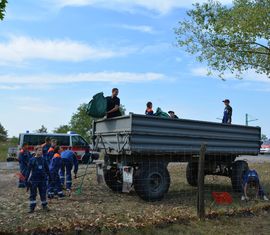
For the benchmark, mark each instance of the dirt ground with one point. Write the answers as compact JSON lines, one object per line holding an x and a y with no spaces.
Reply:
{"x":98,"y":209}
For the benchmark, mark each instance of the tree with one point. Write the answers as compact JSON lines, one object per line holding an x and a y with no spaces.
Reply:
{"x":3,"y":4}
{"x":264,"y":137}
{"x":81,"y":122}
{"x":3,"y":134}
{"x":122,"y":109}
{"x":62,"y":129}
{"x":228,"y":38}
{"x":42,"y":129}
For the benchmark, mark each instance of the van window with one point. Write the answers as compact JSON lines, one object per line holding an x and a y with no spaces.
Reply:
{"x":40,"y":139}
{"x":78,"y":141}
{"x":62,"y":140}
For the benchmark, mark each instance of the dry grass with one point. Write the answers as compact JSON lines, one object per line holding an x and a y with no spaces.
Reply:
{"x":98,"y":208}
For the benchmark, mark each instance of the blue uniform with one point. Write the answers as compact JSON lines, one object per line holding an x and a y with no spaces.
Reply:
{"x":149,"y":112}
{"x":69,"y":160}
{"x":227,"y":115}
{"x":49,"y":155}
{"x":254,"y":175}
{"x":55,"y":187}
{"x":24,"y":158}
{"x":45,"y":149}
{"x":38,"y":172}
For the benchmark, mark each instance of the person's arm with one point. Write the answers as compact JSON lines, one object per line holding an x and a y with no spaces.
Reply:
{"x":116,"y":107}
{"x":229,"y":113}
{"x":245,"y":191}
{"x":30,"y":168}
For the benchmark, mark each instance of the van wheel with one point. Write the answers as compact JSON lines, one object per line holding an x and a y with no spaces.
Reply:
{"x":152,"y":181}
{"x":192,"y":173}
{"x":239,"y":168}
{"x":113,"y":179}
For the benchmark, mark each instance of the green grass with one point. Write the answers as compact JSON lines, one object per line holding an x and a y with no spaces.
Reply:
{"x":13,"y":142}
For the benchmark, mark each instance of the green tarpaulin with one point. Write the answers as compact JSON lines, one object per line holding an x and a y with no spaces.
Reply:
{"x":160,"y":113}
{"x":97,"y":107}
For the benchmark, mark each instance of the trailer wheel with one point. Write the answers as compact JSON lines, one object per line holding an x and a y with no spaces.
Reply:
{"x":152,"y":181}
{"x":113,"y":179}
{"x":192,"y":173}
{"x":239,"y":168}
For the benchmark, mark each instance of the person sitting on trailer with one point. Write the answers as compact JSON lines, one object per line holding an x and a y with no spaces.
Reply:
{"x":69,"y":159}
{"x":113,"y":104}
{"x":173,"y":115}
{"x":149,"y":109}
{"x":251,"y":180}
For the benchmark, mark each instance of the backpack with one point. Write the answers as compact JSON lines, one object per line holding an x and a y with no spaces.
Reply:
{"x":97,"y":107}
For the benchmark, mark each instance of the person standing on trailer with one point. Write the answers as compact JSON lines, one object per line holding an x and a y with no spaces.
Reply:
{"x":113,"y":104}
{"x":36,"y":179}
{"x":227,"y":115}
{"x":149,"y":109}
{"x":55,"y":187}
{"x":69,"y":159}
{"x":24,"y":158}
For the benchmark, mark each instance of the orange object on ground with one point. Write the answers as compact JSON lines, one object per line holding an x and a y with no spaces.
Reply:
{"x":222,"y":198}
{"x":20,"y":176}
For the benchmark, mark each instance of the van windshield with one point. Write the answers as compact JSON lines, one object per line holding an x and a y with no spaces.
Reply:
{"x":78,"y":141}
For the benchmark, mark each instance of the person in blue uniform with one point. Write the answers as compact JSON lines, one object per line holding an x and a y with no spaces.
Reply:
{"x":24,"y":158}
{"x":251,"y":180}
{"x":37,"y":174}
{"x":69,"y":160}
{"x":227,"y":114}
{"x":46,"y":146}
{"x":149,"y":109}
{"x":50,"y":152}
{"x":55,"y":187}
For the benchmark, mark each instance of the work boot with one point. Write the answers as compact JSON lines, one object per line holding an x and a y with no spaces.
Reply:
{"x":31,"y":210}
{"x":45,"y":208}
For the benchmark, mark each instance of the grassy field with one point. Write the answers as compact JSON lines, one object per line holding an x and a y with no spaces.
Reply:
{"x":100,"y":210}
{"x":4,"y":148}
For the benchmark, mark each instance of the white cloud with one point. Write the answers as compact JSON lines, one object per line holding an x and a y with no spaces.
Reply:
{"x":140,"y":28}
{"x":159,"y":6}
{"x":5,"y":87}
{"x":20,"y":49}
{"x":113,"y":77}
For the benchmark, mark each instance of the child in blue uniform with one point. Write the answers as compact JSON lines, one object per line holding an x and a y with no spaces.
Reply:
{"x":46,"y":146}
{"x":149,"y":109}
{"x":50,"y":152}
{"x":69,"y":160}
{"x":251,"y":180}
{"x":24,"y":158}
{"x":37,"y":174}
{"x":55,"y":187}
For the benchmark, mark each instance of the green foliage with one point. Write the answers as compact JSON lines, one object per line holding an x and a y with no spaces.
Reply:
{"x":122,"y":109}
{"x":3,"y":134}
{"x":3,"y":4}
{"x":81,"y":122}
{"x":62,"y":129}
{"x":228,"y":38}
{"x":42,"y":129}
{"x":264,"y":137}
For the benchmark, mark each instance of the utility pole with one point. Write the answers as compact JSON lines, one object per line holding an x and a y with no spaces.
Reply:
{"x":249,"y":120}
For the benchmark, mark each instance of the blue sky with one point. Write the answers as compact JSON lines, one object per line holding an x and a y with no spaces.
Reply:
{"x":56,"y":54}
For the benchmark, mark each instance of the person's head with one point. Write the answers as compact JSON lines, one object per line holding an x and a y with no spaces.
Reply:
{"x":115,"y":92}
{"x":25,"y":146}
{"x":38,"y":151}
{"x":149,"y":105}
{"x":171,"y":114}
{"x":226,"y":102}
{"x":57,"y":149}
{"x":47,"y":140}
{"x":53,"y":142}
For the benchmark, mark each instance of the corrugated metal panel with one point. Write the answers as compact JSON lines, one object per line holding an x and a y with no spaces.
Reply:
{"x":162,"y":135}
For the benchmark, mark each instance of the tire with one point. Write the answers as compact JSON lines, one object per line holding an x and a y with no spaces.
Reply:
{"x":192,"y":173}
{"x":113,"y":179}
{"x":152,"y":181}
{"x":239,"y":168}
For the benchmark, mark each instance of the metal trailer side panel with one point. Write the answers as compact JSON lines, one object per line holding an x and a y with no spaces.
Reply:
{"x":140,"y":134}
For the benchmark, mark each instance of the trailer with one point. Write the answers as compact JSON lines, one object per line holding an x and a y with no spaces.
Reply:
{"x":145,"y":145}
